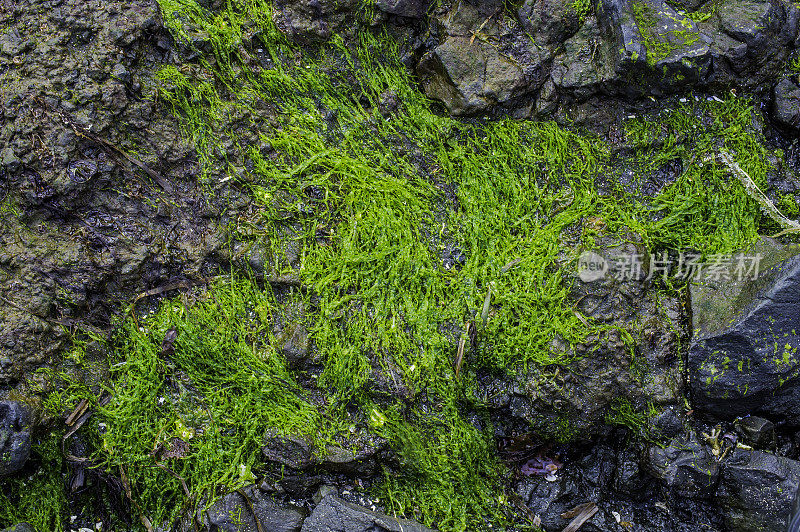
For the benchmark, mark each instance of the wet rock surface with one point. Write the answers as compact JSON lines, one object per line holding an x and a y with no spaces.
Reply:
{"x":742,"y":358}
{"x":757,"y":491}
{"x":246,"y":510}
{"x":20,"y":527}
{"x":15,"y":436}
{"x":85,"y":229}
{"x":584,"y":392}
{"x":787,"y":103}
{"x":332,"y":513}
{"x":82,"y":228}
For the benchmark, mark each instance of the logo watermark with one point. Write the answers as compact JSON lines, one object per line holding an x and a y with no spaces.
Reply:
{"x":684,"y":266}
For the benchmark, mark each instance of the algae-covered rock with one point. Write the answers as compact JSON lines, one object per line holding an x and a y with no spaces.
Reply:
{"x":549,"y":22}
{"x":312,"y":21}
{"x":19,"y":527}
{"x":751,"y":41}
{"x":685,"y":466}
{"x":657,"y":49}
{"x":585,"y":66}
{"x":743,"y":356}
{"x":609,"y":367}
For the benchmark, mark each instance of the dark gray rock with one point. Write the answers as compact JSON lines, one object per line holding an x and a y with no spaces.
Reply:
{"x":480,"y":62}
{"x":356,"y":457}
{"x":687,"y":5}
{"x":668,"y":424}
{"x":19,"y":527}
{"x":786,"y":103}
{"x":307,"y":21}
{"x":756,"y":431}
{"x":334,"y":514}
{"x":404,"y":8}
{"x":15,"y":436}
{"x":757,"y":490}
{"x":549,"y":22}
{"x":685,"y":466}
{"x":293,"y":452}
{"x":246,"y":510}
{"x":294,"y":344}
{"x":586,"y":64}
{"x":751,"y":41}
{"x":743,"y":357}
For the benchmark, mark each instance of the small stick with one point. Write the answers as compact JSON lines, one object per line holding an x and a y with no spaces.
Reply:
{"x":767,"y":207}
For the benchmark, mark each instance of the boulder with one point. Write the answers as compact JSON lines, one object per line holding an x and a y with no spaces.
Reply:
{"x":751,"y":41}
{"x":246,"y":510}
{"x":757,"y":490}
{"x":577,"y":398}
{"x":743,"y":356}
{"x":403,"y":8}
{"x":756,"y":431}
{"x":549,"y":22}
{"x":658,"y":50}
{"x":585,"y":65}
{"x":15,"y":436}
{"x":481,"y":60}
{"x":332,"y":513}
{"x":786,"y":103}
{"x":685,"y":467}
{"x":308,"y":21}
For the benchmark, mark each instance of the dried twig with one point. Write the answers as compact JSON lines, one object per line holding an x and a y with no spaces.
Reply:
{"x":462,"y":342}
{"x":580,"y":514}
{"x":767,"y":207}
{"x":111,"y":149}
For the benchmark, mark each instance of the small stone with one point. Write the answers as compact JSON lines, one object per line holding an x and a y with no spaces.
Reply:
{"x":324,"y":491}
{"x":9,"y":160}
{"x":19,"y":527}
{"x":756,"y":431}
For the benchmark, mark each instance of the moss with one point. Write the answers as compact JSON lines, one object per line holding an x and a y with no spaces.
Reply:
{"x":210,"y":397}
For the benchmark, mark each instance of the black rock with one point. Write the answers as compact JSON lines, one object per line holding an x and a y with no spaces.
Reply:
{"x":786,"y":103}
{"x":757,"y":490}
{"x":248,"y":509}
{"x":404,"y":8}
{"x":743,"y":357}
{"x":685,"y":466}
{"x":335,"y":514}
{"x":15,"y":436}
{"x":756,"y":431}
